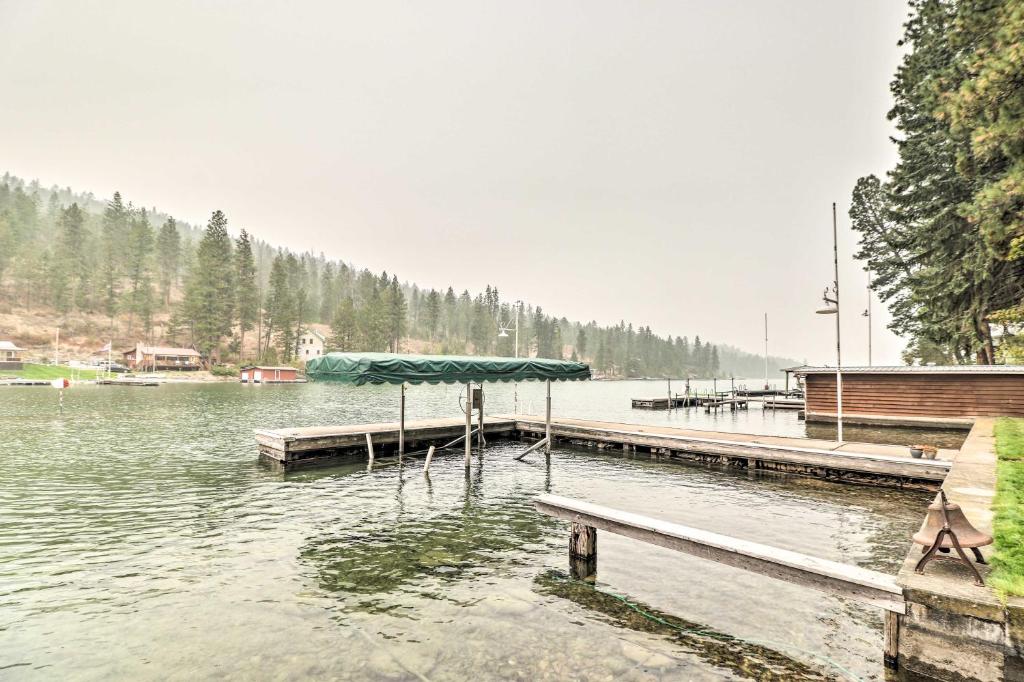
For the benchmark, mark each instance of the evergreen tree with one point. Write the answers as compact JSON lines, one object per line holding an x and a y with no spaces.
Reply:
{"x":168,"y":259}
{"x":344,"y":332}
{"x":247,"y":301}
{"x":115,"y":232}
{"x":209,"y":293}
{"x":139,"y":257}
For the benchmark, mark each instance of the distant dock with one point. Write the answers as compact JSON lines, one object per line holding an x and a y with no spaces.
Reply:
{"x":847,"y":462}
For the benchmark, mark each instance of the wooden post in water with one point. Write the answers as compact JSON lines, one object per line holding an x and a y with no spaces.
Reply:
{"x":891,"y":635}
{"x":401,"y":424}
{"x":430,"y":456}
{"x":369,"y":447}
{"x":547,"y":420}
{"x":469,"y":423}
{"x":582,"y":552}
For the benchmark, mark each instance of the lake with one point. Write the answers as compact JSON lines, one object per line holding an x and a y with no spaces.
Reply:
{"x":141,"y":539}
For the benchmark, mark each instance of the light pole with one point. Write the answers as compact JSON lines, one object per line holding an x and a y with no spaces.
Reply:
{"x":867,"y":314}
{"x":832,"y":308}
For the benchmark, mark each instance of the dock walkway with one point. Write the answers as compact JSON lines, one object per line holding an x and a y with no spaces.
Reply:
{"x":847,"y":462}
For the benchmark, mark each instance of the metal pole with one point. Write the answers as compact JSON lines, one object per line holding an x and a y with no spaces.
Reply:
{"x":515,"y":386}
{"x":869,"y":317}
{"x":480,"y":417}
{"x":469,"y":423}
{"x":839,"y":356}
{"x":401,"y":423}
{"x":766,"y":351}
{"x":547,"y":421}
{"x":670,"y":394}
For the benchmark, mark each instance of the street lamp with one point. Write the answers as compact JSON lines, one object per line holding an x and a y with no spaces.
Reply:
{"x":832,"y":308}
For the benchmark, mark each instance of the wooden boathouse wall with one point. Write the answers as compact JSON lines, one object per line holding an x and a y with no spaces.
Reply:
{"x":919,"y":395}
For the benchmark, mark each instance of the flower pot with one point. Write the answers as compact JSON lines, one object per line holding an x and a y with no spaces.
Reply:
{"x":916,"y":453}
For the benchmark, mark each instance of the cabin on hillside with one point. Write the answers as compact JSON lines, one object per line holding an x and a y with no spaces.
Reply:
{"x":309,"y":345}
{"x":915,"y":396}
{"x":10,"y":355}
{"x":154,"y":358}
{"x":265,"y":374}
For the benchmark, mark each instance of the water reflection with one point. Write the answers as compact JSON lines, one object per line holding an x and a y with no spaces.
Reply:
{"x":746,"y":660}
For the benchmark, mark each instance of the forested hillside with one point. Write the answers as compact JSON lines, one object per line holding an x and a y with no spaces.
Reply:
{"x":944,"y":232}
{"x":234,"y":298}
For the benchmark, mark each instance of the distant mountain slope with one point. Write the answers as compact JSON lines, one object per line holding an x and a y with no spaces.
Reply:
{"x":112,"y":269}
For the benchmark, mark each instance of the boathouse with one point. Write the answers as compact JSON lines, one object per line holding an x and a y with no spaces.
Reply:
{"x":10,"y":355}
{"x":929,"y":395}
{"x":265,"y":374}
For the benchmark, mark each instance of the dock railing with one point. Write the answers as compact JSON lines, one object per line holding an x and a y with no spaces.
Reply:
{"x":852,"y":582}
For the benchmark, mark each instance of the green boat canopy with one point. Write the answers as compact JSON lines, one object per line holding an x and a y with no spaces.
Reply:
{"x":393,"y":368}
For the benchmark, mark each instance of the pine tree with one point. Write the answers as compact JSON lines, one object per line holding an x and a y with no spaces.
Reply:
{"x":344,"y":333}
{"x":246,"y":292}
{"x":139,"y":261}
{"x":168,"y":259}
{"x":209,"y":293}
{"x":115,"y":232}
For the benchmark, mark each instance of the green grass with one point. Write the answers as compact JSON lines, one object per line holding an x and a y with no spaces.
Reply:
{"x":1007,"y":575}
{"x":49,"y":372}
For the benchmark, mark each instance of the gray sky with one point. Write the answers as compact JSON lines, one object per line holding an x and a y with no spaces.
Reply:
{"x":667,"y":163}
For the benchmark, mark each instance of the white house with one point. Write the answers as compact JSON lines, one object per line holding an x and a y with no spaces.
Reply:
{"x":309,"y":345}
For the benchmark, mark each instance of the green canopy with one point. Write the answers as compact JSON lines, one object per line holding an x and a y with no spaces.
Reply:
{"x":392,"y":368}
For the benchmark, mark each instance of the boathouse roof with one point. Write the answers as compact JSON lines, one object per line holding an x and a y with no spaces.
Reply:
{"x":915,"y":369}
{"x":8,"y":345}
{"x":395,"y":368}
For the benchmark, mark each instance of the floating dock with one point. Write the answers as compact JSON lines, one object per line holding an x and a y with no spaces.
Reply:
{"x":846,"y":462}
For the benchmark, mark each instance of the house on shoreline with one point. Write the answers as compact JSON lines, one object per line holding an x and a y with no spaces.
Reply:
{"x":10,"y":355}
{"x":309,"y":345}
{"x":154,"y":358}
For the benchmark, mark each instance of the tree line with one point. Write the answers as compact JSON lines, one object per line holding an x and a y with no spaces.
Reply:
{"x":235,"y":298}
{"x":943,"y":233}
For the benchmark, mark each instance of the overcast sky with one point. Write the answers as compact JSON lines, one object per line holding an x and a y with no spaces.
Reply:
{"x":666,"y":163}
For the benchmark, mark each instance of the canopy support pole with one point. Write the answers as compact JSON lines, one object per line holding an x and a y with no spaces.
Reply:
{"x":547,"y":420}
{"x":469,"y":423}
{"x":480,"y":440}
{"x":401,"y":423}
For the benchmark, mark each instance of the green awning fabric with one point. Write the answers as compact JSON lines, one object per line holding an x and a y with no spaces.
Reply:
{"x":392,"y":368}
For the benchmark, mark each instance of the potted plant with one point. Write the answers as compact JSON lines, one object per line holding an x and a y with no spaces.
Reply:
{"x":929,"y":451}
{"x":916,"y":451}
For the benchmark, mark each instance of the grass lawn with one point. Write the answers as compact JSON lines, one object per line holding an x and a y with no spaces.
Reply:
{"x":1008,"y":525}
{"x":49,"y":372}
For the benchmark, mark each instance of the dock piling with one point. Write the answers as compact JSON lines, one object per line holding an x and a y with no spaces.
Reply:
{"x":401,"y":424}
{"x":430,"y":456}
{"x":891,"y":638}
{"x":469,"y":423}
{"x":583,"y":551}
{"x":547,"y":420}
{"x":369,"y":447}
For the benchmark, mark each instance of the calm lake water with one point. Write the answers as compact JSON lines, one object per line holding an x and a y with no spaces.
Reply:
{"x":141,"y":539}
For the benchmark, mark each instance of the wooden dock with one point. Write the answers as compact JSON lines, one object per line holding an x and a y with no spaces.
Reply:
{"x":307,"y":445}
{"x":846,"y":462}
